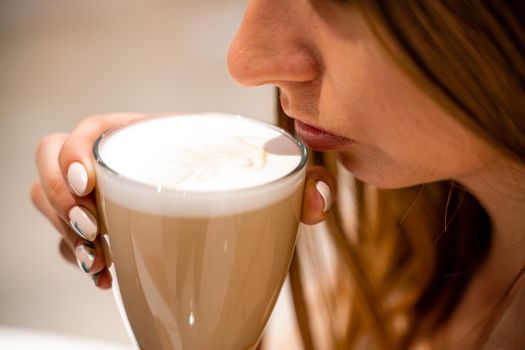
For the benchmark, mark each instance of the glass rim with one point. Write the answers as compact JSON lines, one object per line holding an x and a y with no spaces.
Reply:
{"x":98,"y":158}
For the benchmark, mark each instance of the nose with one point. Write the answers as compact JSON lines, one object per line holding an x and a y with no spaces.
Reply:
{"x":272,"y":45}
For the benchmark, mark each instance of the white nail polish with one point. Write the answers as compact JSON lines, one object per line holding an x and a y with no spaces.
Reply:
{"x":83,"y":222}
{"x":86,"y":254}
{"x":77,"y":178}
{"x":325,"y":192}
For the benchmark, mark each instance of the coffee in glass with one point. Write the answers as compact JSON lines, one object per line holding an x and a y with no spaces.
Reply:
{"x":201,"y":215}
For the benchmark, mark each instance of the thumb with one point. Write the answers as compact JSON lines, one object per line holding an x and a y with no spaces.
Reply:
{"x":319,"y":193}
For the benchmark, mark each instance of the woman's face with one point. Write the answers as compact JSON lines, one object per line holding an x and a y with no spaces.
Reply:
{"x":334,"y":76}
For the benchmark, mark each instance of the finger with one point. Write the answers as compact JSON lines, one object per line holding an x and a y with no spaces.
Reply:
{"x":103,"y":279}
{"x":90,"y":256}
{"x":70,"y":241}
{"x":66,"y":251}
{"x":75,"y":158}
{"x":40,"y":201}
{"x":319,"y":194}
{"x":79,"y":213}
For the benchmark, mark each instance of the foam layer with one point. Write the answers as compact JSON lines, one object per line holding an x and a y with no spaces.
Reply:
{"x":157,"y":162}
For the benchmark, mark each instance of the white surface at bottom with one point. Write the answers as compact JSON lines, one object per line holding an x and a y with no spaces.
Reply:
{"x":27,"y":339}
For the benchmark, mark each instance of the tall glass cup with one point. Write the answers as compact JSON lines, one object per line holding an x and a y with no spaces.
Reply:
{"x":200,"y":216}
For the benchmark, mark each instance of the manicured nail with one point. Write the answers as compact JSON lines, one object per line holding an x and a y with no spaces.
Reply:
{"x":325,"y":192}
{"x":83,"y":222}
{"x":96,"y":278}
{"x":86,"y":253}
{"x":77,"y":178}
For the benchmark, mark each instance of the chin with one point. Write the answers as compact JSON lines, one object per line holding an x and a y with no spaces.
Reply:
{"x":381,"y":175}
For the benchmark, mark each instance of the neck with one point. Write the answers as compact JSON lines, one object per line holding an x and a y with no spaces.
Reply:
{"x":501,"y":190}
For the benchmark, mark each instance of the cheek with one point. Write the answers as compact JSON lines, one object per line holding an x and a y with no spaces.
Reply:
{"x":410,"y":161}
{"x":403,"y":137}
{"x":373,"y":166}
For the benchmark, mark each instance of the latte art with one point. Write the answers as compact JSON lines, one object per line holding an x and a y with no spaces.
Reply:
{"x":208,"y":152}
{"x":222,"y":162}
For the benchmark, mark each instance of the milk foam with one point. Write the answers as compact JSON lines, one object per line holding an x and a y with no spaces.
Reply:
{"x":198,"y":157}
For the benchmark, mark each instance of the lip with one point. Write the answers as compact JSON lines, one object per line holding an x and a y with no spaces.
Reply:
{"x":320,"y":140}
{"x":314,"y":137}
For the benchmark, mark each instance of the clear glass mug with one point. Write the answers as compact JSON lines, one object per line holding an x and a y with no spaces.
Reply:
{"x":192,"y":268}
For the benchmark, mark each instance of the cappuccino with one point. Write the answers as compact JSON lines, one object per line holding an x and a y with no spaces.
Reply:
{"x":202,"y":214}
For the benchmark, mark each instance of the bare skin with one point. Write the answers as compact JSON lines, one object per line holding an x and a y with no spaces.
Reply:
{"x":333,"y":75}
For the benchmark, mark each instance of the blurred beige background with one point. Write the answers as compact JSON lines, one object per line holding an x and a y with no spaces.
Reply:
{"x":62,"y":60}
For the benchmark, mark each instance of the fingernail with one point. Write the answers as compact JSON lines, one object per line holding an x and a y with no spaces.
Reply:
{"x":83,"y":222}
{"x":86,"y":253}
{"x":77,"y":178}
{"x":325,"y":192}
{"x":96,"y":278}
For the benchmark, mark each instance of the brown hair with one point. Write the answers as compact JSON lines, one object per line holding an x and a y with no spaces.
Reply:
{"x":402,"y":269}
